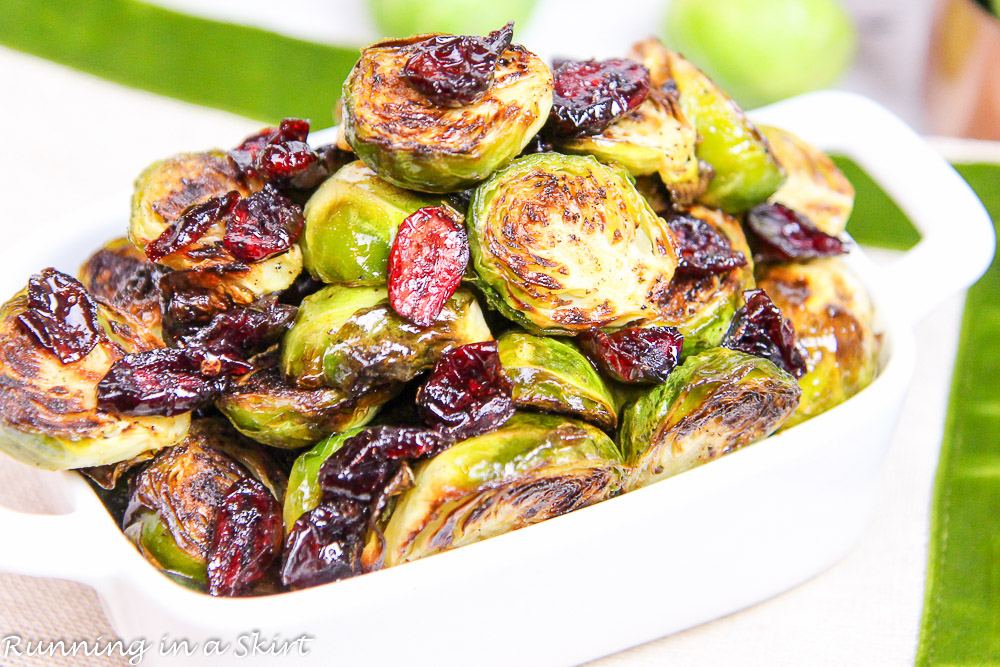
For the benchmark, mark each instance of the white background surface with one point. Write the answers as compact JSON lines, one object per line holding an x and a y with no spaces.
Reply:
{"x":71,"y":138}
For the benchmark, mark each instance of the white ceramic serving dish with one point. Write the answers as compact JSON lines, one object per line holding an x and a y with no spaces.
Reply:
{"x":661,"y":559}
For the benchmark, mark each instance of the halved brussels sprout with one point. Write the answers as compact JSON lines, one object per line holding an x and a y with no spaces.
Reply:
{"x":174,"y":500}
{"x":351,"y":222}
{"x":702,"y":308}
{"x":303,"y":492}
{"x":416,"y":144}
{"x":712,"y":404}
{"x":122,"y":275}
{"x":657,"y":138}
{"x":813,"y":185}
{"x":48,"y":410}
{"x":552,"y":375}
{"x":563,"y":244}
{"x":533,"y":468}
{"x":351,"y":339}
{"x":264,"y":407}
{"x":166,"y":188}
{"x":746,"y":173}
{"x":833,"y":321}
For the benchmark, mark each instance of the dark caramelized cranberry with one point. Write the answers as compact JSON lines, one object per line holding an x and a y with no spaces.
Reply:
{"x":242,"y":332}
{"x":159,"y":382}
{"x":590,"y":95}
{"x":325,"y":544}
{"x":702,"y":250}
{"x":777,"y":233}
{"x":454,"y":71}
{"x":635,"y":354}
{"x":61,"y":315}
{"x":303,"y":286}
{"x":262,"y":225}
{"x":467,"y":393}
{"x":193,"y":223}
{"x":427,"y":262}
{"x":247,"y":538}
{"x":759,"y":328}
{"x":192,"y":298}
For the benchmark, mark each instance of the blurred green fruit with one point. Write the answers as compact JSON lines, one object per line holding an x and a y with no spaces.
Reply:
{"x":761,"y":51}
{"x":400,"y":18}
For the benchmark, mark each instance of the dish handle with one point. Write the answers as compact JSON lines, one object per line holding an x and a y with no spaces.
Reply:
{"x":957,"y":236}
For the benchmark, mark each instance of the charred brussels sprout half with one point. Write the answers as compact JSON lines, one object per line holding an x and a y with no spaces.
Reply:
{"x":349,"y":338}
{"x":175,"y":499}
{"x":263,"y":406}
{"x":415,"y":144}
{"x":351,"y":222}
{"x":48,"y":409}
{"x":712,"y":404}
{"x":701,"y":308}
{"x":746,"y":172}
{"x":303,"y":492}
{"x":832,"y":317}
{"x":813,"y":185}
{"x":167,"y":188}
{"x":552,"y":375}
{"x":656,"y":138}
{"x":563,"y":243}
{"x":533,"y":468}
{"x":120,"y":274}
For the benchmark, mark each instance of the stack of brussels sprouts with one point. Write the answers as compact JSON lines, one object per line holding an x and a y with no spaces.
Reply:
{"x":190,"y":387}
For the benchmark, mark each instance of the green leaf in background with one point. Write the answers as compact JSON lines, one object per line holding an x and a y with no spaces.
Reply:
{"x":876,"y":219}
{"x":247,"y":71}
{"x":400,"y":18}
{"x":961,"y":623}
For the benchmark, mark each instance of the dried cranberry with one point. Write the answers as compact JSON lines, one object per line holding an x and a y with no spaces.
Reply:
{"x":159,"y":382}
{"x":590,"y":95}
{"x":193,"y":223}
{"x":759,"y":328}
{"x":303,"y":286}
{"x":635,"y":354}
{"x":454,"y":71}
{"x":325,"y":544}
{"x":467,"y":393}
{"x":247,"y":538}
{"x":61,"y":315}
{"x":427,"y":262}
{"x":777,"y":233}
{"x":703,"y":251}
{"x":262,"y":225}
{"x":245,"y":155}
{"x":285,"y":161}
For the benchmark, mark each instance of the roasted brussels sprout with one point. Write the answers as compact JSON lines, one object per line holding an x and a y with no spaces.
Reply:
{"x":713,"y":403}
{"x":657,"y":138}
{"x":303,"y":492}
{"x":174,"y":500}
{"x":813,"y":185}
{"x":552,"y":375}
{"x":351,"y":222}
{"x":48,"y":409}
{"x":533,"y":468}
{"x":563,"y":243}
{"x":746,"y":173}
{"x":350,"y":339}
{"x":416,"y":144}
{"x":833,"y":321}
{"x":122,"y":275}
{"x":263,"y":406}
{"x":165,"y":189}
{"x":701,"y":308}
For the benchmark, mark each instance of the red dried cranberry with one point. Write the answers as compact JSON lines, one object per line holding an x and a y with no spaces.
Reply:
{"x":325,"y":544}
{"x":61,"y":315}
{"x":159,"y":382}
{"x":262,"y":225}
{"x":192,"y":224}
{"x":759,"y":328}
{"x":777,"y":233}
{"x":247,"y":538}
{"x":283,"y":162}
{"x":467,"y":393}
{"x":703,"y":251}
{"x":590,"y":95}
{"x":245,"y":155}
{"x":635,"y":354}
{"x":427,"y":262}
{"x":454,"y":71}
